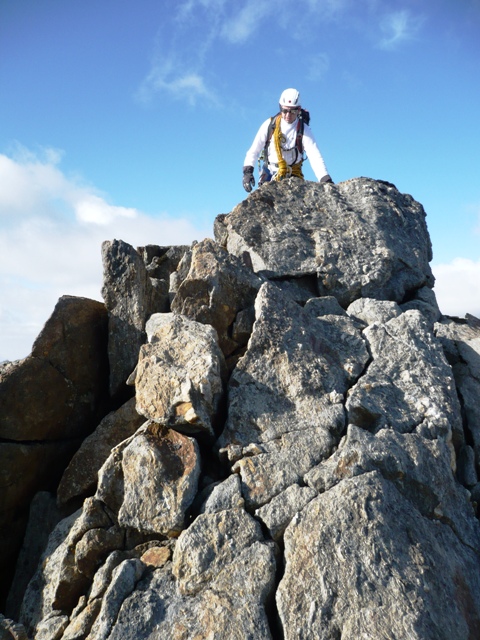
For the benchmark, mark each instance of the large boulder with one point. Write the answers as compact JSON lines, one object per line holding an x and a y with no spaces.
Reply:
{"x":179,"y":376}
{"x":362,"y":561}
{"x":50,"y":401}
{"x":59,"y":391}
{"x":360,"y":238}
{"x":419,"y":467}
{"x":150,"y":480}
{"x":218,"y":286}
{"x":294,"y":374}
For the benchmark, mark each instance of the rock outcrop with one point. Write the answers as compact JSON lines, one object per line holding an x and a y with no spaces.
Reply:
{"x":360,"y":238}
{"x":49,"y":402}
{"x":287,"y":439}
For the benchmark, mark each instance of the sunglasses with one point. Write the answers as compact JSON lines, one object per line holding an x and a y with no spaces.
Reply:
{"x":289,"y":110}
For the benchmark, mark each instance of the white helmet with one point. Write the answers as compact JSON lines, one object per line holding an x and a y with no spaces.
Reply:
{"x":290,"y":98}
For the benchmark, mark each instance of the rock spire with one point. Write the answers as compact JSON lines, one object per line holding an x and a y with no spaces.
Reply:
{"x":273,"y":433}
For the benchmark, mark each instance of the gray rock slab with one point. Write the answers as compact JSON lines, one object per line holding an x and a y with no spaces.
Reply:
{"x":423,"y":470}
{"x":326,"y":306}
{"x":409,"y":384}
{"x":360,"y":562}
{"x":368,"y":311}
{"x":124,"y":579}
{"x":268,"y":470}
{"x":294,"y":374}
{"x":224,"y":495}
{"x":461,"y":344}
{"x":425,"y":301}
{"x":210,"y":543}
{"x":362,"y":238}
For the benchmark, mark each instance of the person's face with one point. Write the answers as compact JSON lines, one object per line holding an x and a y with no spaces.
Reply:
{"x":289,"y":114}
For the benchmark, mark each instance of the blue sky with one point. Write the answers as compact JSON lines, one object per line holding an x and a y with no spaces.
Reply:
{"x":131,"y":118}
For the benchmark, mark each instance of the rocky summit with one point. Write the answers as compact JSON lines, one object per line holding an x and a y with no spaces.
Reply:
{"x":273,"y":433}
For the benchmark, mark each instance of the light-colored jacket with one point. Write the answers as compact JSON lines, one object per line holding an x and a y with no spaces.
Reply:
{"x":289,"y":149}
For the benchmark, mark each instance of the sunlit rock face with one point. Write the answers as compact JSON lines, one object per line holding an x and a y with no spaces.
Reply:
{"x":290,"y":438}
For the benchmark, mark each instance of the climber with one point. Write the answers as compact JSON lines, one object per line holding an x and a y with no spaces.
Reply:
{"x":282,"y":142}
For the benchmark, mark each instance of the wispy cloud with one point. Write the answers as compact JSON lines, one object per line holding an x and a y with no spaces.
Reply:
{"x":192,"y":35}
{"x":327,"y":8}
{"x":51,"y":229}
{"x":183,"y":43}
{"x":398,"y":27}
{"x":240,"y":26}
{"x":167,"y":79}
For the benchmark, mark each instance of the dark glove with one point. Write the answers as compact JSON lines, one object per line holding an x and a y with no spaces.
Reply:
{"x":327,"y":179}
{"x":248,"y":179}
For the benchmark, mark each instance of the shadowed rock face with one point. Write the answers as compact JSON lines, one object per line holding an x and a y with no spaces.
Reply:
{"x":49,"y":402}
{"x":300,"y":458}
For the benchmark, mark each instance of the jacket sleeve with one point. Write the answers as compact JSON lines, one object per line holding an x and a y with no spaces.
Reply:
{"x":313,"y":154}
{"x":257,"y":145}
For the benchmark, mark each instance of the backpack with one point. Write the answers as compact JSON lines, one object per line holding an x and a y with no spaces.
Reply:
{"x":303,"y":119}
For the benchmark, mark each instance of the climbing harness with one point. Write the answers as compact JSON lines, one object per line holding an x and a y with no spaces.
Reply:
{"x":284,"y":170}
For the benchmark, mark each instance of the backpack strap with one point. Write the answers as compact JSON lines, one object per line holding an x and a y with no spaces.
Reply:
{"x":299,"y":142}
{"x":303,"y":119}
{"x":270,"y":130}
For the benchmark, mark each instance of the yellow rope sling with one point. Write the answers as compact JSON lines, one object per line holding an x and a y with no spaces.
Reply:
{"x":284,"y":170}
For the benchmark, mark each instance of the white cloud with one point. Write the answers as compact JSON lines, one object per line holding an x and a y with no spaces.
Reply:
{"x":172,"y":77}
{"x":27,"y":186}
{"x":50,"y":243}
{"x":457,"y":287}
{"x":191,"y":86}
{"x":186,"y":40}
{"x":190,"y":37}
{"x":239,"y":27}
{"x":398,"y":27}
{"x":93,"y":209}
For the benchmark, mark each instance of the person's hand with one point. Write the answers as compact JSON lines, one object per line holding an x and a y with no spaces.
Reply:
{"x":248,"y":179}
{"x":327,"y":179}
